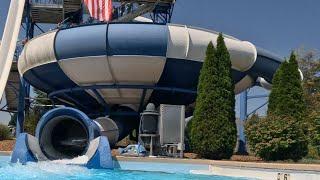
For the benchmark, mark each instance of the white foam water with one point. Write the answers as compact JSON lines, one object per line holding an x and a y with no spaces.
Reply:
{"x":40,"y":170}
{"x":80,"y":160}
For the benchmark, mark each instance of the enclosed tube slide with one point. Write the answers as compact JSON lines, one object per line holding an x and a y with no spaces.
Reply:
{"x":66,"y":133}
{"x":9,"y":40}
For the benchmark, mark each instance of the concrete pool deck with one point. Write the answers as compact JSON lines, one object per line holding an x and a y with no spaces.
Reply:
{"x":285,"y":171}
{"x":5,"y":153}
{"x":284,"y":166}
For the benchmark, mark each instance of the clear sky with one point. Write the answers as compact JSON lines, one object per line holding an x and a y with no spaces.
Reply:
{"x":276,"y":25}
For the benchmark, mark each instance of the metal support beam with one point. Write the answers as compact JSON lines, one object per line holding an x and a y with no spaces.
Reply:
{"x":258,"y":96}
{"x":30,"y":35}
{"x":24,"y":86}
{"x":243,"y":116}
{"x":143,"y":9}
{"x":39,"y":28}
{"x":121,"y":86}
{"x":20,"y":116}
{"x":255,"y":110}
{"x":76,"y":102}
{"x":101,"y":101}
{"x":143,"y":96}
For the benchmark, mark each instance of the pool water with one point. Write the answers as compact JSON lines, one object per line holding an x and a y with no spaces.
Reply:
{"x":51,"y":171}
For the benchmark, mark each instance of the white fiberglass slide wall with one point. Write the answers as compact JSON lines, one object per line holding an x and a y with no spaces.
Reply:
{"x":191,"y":43}
{"x":9,"y":40}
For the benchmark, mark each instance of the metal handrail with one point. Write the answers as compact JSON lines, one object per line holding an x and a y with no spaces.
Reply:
{"x":121,"y":86}
{"x":47,"y":2}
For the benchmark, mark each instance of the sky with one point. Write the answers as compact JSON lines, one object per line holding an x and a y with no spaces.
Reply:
{"x":279,"y":26}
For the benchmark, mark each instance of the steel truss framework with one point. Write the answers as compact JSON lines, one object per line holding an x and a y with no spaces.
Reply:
{"x":101,"y":100}
{"x":244,"y":114}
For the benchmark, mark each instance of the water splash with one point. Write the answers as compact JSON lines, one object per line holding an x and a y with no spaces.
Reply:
{"x":80,"y":160}
{"x":41,"y":170}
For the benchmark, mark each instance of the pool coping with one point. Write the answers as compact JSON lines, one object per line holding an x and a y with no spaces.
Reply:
{"x":222,"y":163}
{"x":5,"y":152}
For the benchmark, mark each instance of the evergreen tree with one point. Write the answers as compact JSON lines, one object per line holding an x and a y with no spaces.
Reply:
{"x":213,"y":128}
{"x":39,"y":107}
{"x":13,"y":120}
{"x":282,"y":134}
{"x":286,"y":97}
{"x":277,"y":89}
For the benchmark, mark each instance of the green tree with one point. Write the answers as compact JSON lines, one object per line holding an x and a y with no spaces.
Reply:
{"x":38,"y":108}
{"x":213,"y":128}
{"x":31,"y":121}
{"x":309,"y":63}
{"x":13,"y":120}
{"x":277,"y":138}
{"x":5,"y":133}
{"x":282,"y":135}
{"x":286,"y":97}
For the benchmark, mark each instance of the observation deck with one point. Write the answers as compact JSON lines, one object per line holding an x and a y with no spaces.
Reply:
{"x":55,"y":11}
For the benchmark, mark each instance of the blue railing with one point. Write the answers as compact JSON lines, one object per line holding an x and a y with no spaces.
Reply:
{"x":18,"y":50}
{"x":47,"y":2}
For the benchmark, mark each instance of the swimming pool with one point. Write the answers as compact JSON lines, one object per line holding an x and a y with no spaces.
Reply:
{"x":50,"y":170}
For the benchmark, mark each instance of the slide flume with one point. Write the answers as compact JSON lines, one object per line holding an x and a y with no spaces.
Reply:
{"x":9,"y":40}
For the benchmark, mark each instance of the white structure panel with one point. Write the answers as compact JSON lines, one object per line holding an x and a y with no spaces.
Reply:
{"x":87,"y":70}
{"x":124,"y":96}
{"x":178,"y":42}
{"x":137,"y":69}
{"x":9,"y":40}
{"x":37,"y":51}
{"x":190,"y":43}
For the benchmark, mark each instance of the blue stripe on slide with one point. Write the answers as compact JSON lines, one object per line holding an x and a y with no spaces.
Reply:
{"x":137,"y":39}
{"x":123,"y":39}
{"x":178,"y":73}
{"x":264,"y":67}
{"x":182,"y":73}
{"x":81,"y":41}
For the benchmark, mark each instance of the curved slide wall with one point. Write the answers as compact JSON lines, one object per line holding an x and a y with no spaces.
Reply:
{"x":9,"y":40}
{"x":137,"y":54}
{"x":65,"y":133}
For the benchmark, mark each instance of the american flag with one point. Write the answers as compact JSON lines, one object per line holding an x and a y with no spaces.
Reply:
{"x":100,"y":9}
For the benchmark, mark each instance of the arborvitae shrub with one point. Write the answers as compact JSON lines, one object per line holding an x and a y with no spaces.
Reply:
{"x":282,"y":134}
{"x":314,"y":135}
{"x":286,"y":97}
{"x":277,"y":138}
{"x":213,"y":129}
{"x":31,"y":121}
{"x":4,"y":132}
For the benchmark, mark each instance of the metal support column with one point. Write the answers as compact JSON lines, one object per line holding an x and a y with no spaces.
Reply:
{"x":20,"y":116}
{"x":30,"y":34}
{"x":24,"y":86}
{"x":243,"y":116}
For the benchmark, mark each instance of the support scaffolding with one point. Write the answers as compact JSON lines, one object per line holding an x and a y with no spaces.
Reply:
{"x":244,"y":114}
